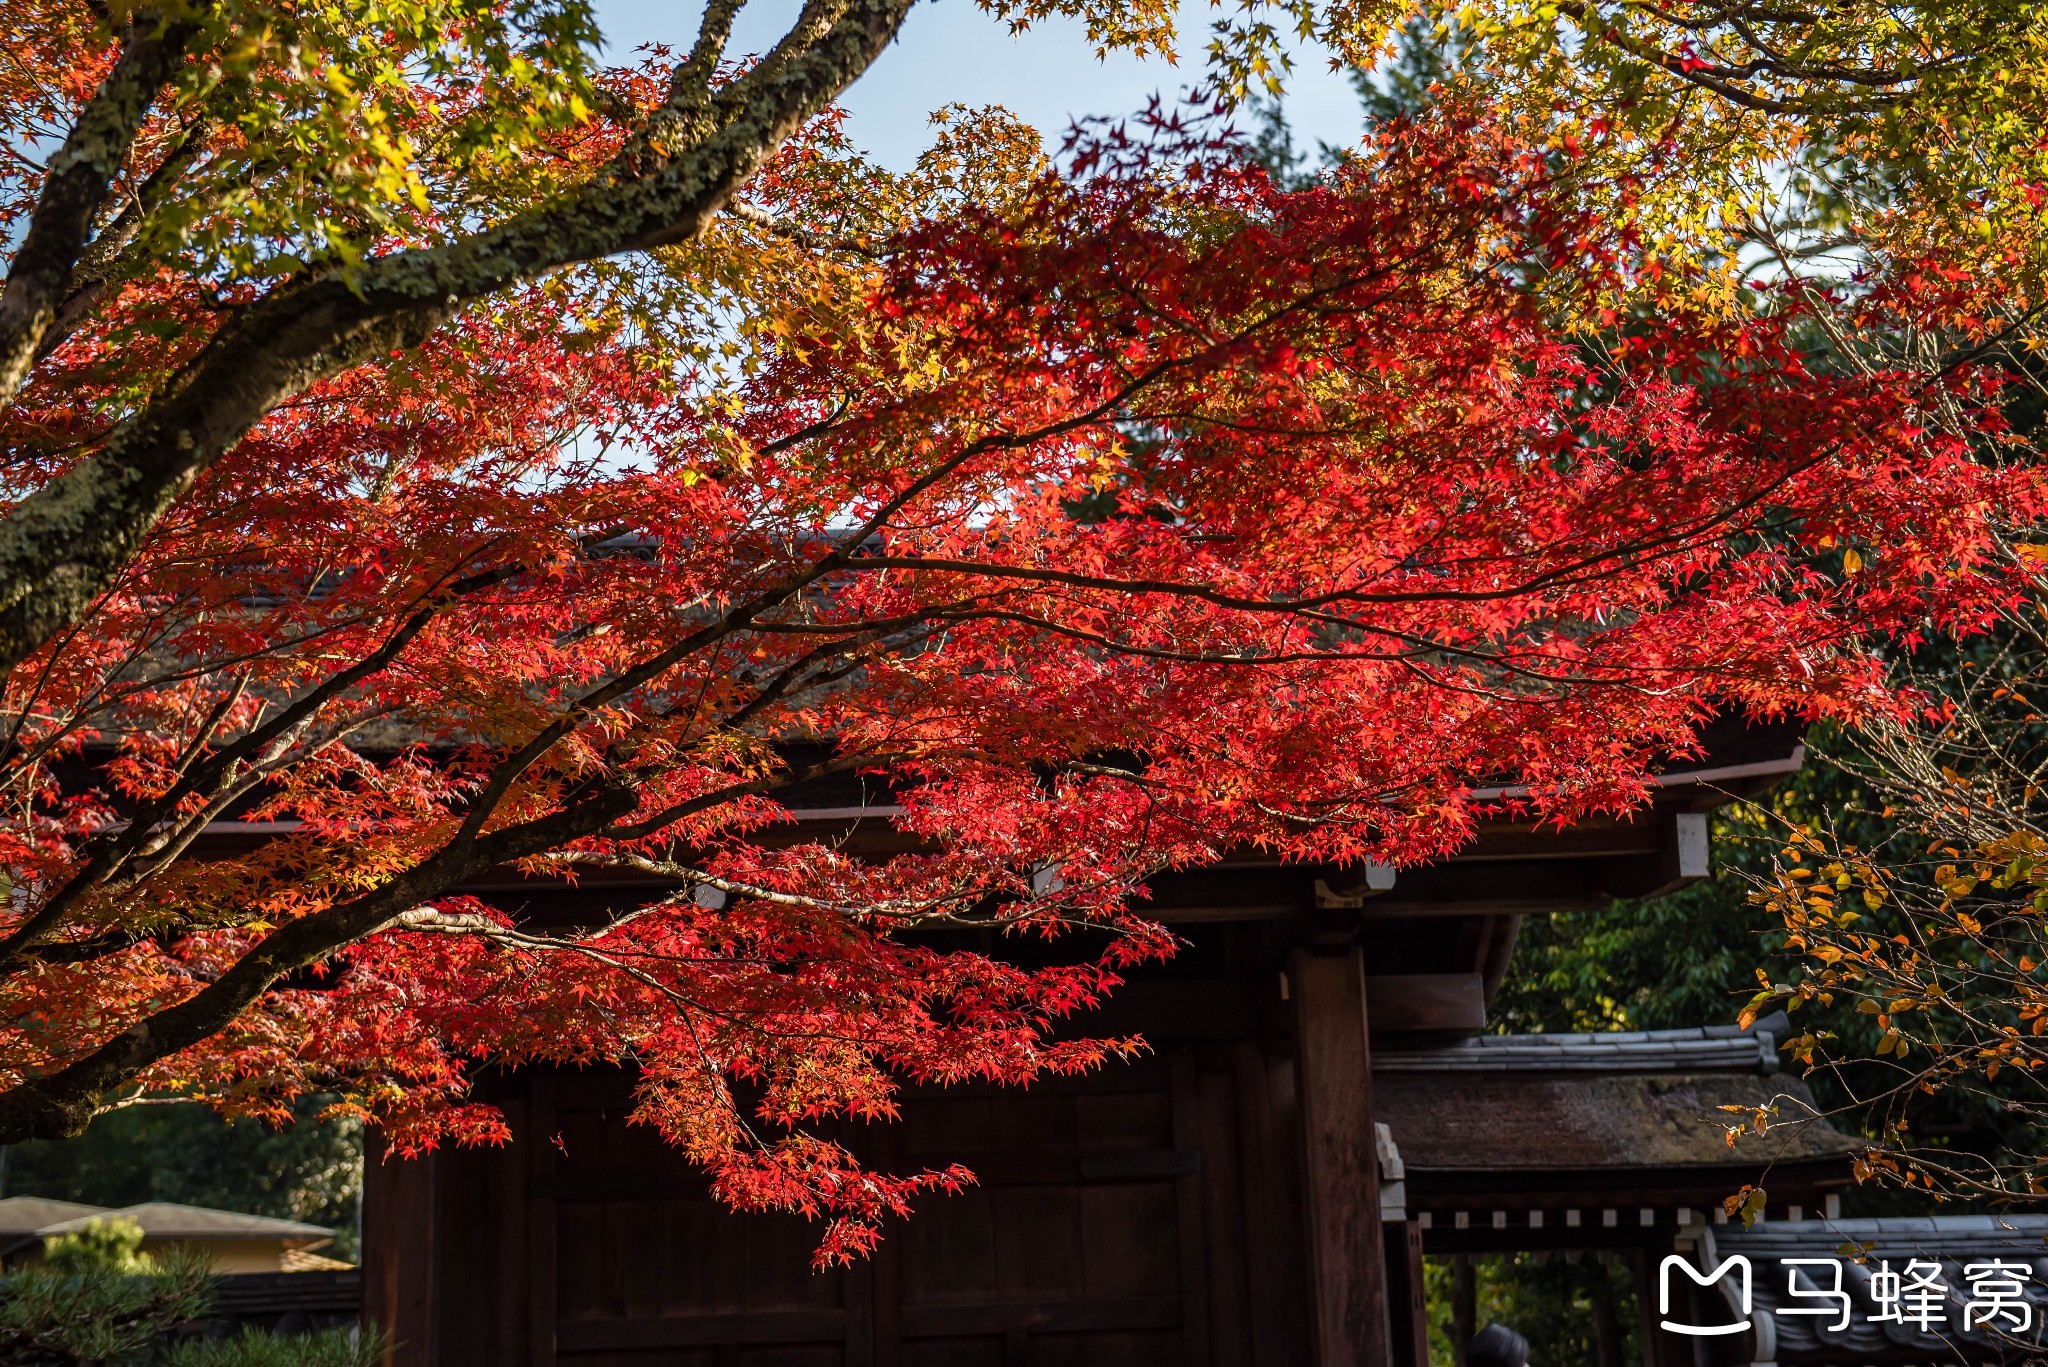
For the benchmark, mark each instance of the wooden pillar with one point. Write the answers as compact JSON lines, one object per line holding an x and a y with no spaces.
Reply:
{"x":401,"y":1255}
{"x":543,"y":1290}
{"x":1268,"y":1098}
{"x":1194,"y":1239}
{"x":1660,"y":1347}
{"x":1606,"y":1328}
{"x":886,"y":1280}
{"x":1464,"y":1306}
{"x":1407,"y":1295}
{"x":1340,"y":1163}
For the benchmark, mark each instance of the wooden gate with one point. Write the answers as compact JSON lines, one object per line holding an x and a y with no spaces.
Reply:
{"x":1142,"y":1216}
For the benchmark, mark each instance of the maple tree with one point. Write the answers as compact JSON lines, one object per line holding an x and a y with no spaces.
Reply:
{"x":592,"y":461}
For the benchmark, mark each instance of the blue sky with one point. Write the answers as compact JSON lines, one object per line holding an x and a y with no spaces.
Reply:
{"x":952,"y":53}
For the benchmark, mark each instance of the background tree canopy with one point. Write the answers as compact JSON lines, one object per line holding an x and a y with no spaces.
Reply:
{"x":310,"y":1170}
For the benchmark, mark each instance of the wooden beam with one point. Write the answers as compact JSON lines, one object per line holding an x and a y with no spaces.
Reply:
{"x":505,"y":1229}
{"x":1596,"y":837}
{"x":1388,"y":910}
{"x":1192,"y":1227}
{"x":627,"y":1333}
{"x":1660,"y":1347}
{"x":1228,"y":1244}
{"x":1268,"y":1094}
{"x":885,"y":1283}
{"x":1042,"y":1317}
{"x":1407,"y":1298}
{"x":1683,"y":855}
{"x":1426,"y":1001}
{"x":543,"y":1286}
{"x":401,"y":1256}
{"x":1340,"y":1164}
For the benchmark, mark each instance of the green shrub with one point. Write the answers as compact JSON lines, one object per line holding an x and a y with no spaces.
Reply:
{"x":83,"y":1311}
{"x":328,"y":1348}
{"x":111,"y":1245}
{"x":97,"y":1300}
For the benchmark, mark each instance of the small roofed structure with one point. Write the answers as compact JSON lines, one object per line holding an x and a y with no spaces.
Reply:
{"x":1614,"y":1143}
{"x":24,"y":1218}
{"x":235,"y":1242}
{"x":1846,"y":1293}
{"x":1560,"y":1137}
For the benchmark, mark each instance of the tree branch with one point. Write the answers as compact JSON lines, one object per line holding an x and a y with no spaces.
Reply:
{"x":60,"y":1103}
{"x":63,"y":544}
{"x":101,"y":263}
{"x":80,"y":176}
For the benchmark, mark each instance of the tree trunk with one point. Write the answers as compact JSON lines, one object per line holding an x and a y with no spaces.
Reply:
{"x":1606,"y":1326}
{"x":1464,"y":1307}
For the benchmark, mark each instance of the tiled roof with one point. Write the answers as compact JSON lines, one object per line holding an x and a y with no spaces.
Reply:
{"x":1702,"y":1049}
{"x":20,"y":1215}
{"x":1529,"y":1122}
{"x":1893,"y":1236}
{"x":167,"y":1220}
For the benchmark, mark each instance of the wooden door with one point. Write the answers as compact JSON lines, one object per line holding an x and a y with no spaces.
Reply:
{"x":1116,"y":1222}
{"x":1080,"y":1243}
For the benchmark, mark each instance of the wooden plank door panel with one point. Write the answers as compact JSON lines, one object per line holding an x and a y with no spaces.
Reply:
{"x":1092,"y":1237}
